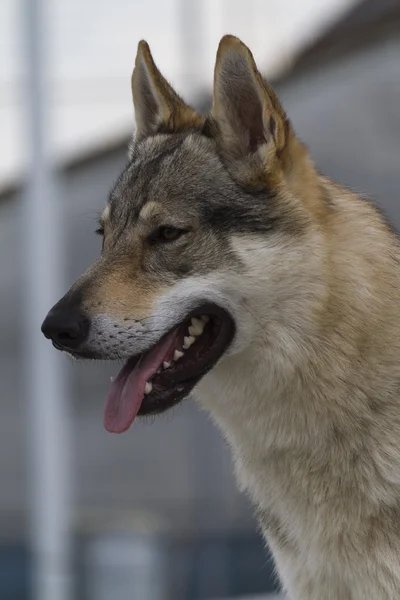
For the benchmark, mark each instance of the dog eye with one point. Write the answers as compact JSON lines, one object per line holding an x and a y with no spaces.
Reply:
{"x":166,"y":234}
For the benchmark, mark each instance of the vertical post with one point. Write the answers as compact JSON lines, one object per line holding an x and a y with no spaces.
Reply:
{"x":48,"y":421}
{"x":190,"y":14}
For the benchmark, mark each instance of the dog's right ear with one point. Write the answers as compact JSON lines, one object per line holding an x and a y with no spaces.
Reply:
{"x":158,"y":108}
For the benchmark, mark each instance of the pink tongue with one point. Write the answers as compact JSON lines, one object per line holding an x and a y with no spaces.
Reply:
{"x":127,"y":390}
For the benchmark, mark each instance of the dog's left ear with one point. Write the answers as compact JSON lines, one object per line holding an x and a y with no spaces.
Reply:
{"x":250,"y":119}
{"x":158,"y":108}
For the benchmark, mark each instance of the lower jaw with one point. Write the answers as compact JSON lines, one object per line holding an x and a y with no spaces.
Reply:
{"x":162,"y":398}
{"x":196,"y":361}
{"x":160,"y":402}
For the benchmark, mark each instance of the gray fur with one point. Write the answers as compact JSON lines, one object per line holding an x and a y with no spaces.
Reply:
{"x":308,"y":393}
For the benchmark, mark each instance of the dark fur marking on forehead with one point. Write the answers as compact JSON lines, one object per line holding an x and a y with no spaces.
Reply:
{"x":252,"y":211}
{"x":243,"y":211}
{"x":239,"y":219}
{"x":130,"y":181}
{"x":202,"y":184}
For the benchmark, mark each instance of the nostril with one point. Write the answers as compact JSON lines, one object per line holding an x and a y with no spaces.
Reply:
{"x":64,"y":335}
{"x":72,"y":334}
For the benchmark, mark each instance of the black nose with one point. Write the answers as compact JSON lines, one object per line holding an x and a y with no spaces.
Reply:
{"x":66,"y":327}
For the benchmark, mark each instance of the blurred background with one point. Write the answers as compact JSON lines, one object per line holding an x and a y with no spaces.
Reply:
{"x":153,"y":514}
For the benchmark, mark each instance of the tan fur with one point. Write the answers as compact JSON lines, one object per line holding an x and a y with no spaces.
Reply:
{"x":105,"y":215}
{"x":308,"y":393}
{"x":150,"y":210}
{"x":311,"y":407}
{"x":123,"y":297}
{"x":120,"y":289}
{"x":313,"y":412}
{"x":314,"y":419}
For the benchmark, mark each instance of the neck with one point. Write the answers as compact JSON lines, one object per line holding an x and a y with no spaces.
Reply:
{"x":316,"y":383}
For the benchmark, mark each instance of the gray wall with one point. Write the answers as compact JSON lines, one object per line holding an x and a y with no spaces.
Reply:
{"x":348,"y":113}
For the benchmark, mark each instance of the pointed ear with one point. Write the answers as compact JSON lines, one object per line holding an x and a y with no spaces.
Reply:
{"x":246,"y":109}
{"x":158,"y":108}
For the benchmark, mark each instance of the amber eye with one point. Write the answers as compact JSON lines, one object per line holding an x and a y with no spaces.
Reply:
{"x":166,"y":234}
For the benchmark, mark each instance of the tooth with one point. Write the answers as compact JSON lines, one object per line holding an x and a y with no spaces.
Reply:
{"x":148,"y":387}
{"x":178,"y":354}
{"x":166,"y":365}
{"x":197,"y":327}
{"x":112,"y":379}
{"x":195,"y":331}
{"x":205,"y":318}
{"x":188,"y":341}
{"x":197,"y":322}
{"x":158,"y":371}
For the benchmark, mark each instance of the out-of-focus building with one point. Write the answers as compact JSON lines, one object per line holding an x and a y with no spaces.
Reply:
{"x":343,"y":96}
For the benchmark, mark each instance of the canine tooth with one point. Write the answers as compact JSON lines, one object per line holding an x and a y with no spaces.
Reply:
{"x":166,"y":365}
{"x":178,"y":354}
{"x":197,"y":327}
{"x":112,"y":379}
{"x":148,"y":387}
{"x":188,"y":341}
{"x":197,"y":322}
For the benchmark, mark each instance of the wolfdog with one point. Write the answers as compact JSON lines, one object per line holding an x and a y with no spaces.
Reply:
{"x":231,"y":270}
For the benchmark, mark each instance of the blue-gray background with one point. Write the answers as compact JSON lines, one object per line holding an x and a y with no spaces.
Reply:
{"x":176,"y":472}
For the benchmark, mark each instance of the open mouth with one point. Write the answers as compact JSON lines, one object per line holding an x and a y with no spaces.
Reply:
{"x":159,"y":378}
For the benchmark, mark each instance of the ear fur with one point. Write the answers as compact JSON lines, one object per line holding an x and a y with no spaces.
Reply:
{"x":158,"y":108}
{"x":249,"y":117}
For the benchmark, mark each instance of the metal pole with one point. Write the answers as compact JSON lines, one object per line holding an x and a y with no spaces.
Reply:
{"x":45,"y":385}
{"x":191,"y":40}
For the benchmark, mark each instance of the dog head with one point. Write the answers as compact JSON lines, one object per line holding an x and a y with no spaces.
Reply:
{"x":208,"y":238}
